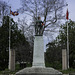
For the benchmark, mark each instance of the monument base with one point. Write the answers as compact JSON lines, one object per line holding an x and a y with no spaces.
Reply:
{"x":38,"y":71}
{"x":38,"y":52}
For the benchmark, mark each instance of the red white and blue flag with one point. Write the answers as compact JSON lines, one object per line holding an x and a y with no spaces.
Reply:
{"x":15,"y":13}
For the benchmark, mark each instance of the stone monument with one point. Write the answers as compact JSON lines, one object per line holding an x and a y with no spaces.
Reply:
{"x":38,"y":54}
{"x":38,"y":66}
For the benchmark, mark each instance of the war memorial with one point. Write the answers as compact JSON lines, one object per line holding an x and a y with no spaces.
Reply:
{"x":38,"y":65}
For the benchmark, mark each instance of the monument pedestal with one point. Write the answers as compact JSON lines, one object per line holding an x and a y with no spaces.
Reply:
{"x":38,"y":66}
{"x":38,"y":53}
{"x":38,"y":71}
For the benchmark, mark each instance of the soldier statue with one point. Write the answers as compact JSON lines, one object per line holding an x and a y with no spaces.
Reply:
{"x":39,"y":27}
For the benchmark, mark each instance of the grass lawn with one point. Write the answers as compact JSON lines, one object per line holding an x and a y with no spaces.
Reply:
{"x":69,"y":71}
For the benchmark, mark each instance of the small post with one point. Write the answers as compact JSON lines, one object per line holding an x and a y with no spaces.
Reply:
{"x":12,"y":60}
{"x":64,"y":59}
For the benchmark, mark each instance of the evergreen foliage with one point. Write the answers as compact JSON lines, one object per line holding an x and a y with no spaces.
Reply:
{"x":54,"y":50}
{"x":18,"y":43}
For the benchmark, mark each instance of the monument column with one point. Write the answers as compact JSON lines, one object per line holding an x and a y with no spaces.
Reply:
{"x":38,"y":53}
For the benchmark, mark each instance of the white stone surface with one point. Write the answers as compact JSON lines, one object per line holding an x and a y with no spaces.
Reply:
{"x":38,"y":54}
{"x":38,"y":71}
{"x":12,"y":60}
{"x":64,"y":59}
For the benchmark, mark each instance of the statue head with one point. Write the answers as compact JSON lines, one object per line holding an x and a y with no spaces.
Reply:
{"x":39,"y":17}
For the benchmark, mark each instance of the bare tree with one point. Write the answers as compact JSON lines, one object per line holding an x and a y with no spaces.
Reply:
{"x":4,"y":9}
{"x":50,"y":10}
{"x":26,"y":30}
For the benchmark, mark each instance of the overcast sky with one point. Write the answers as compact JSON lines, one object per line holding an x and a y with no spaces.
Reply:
{"x":71,"y":8}
{"x":16,"y":4}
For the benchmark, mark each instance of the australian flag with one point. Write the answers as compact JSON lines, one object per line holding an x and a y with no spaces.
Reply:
{"x":15,"y":13}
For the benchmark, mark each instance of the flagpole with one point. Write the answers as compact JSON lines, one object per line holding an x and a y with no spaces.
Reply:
{"x":67,"y":14}
{"x":10,"y":58}
{"x":67,"y":47}
{"x":9,"y":39}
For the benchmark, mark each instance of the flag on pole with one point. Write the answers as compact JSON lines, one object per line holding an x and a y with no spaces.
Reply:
{"x":67,"y":14}
{"x":15,"y":13}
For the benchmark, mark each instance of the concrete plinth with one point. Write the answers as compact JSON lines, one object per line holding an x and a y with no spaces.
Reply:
{"x":38,"y":71}
{"x":12,"y":60}
{"x":64,"y":59}
{"x":38,"y":53}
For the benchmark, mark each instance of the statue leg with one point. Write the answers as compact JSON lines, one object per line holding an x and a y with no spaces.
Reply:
{"x":35,"y":30}
{"x":40,"y":30}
